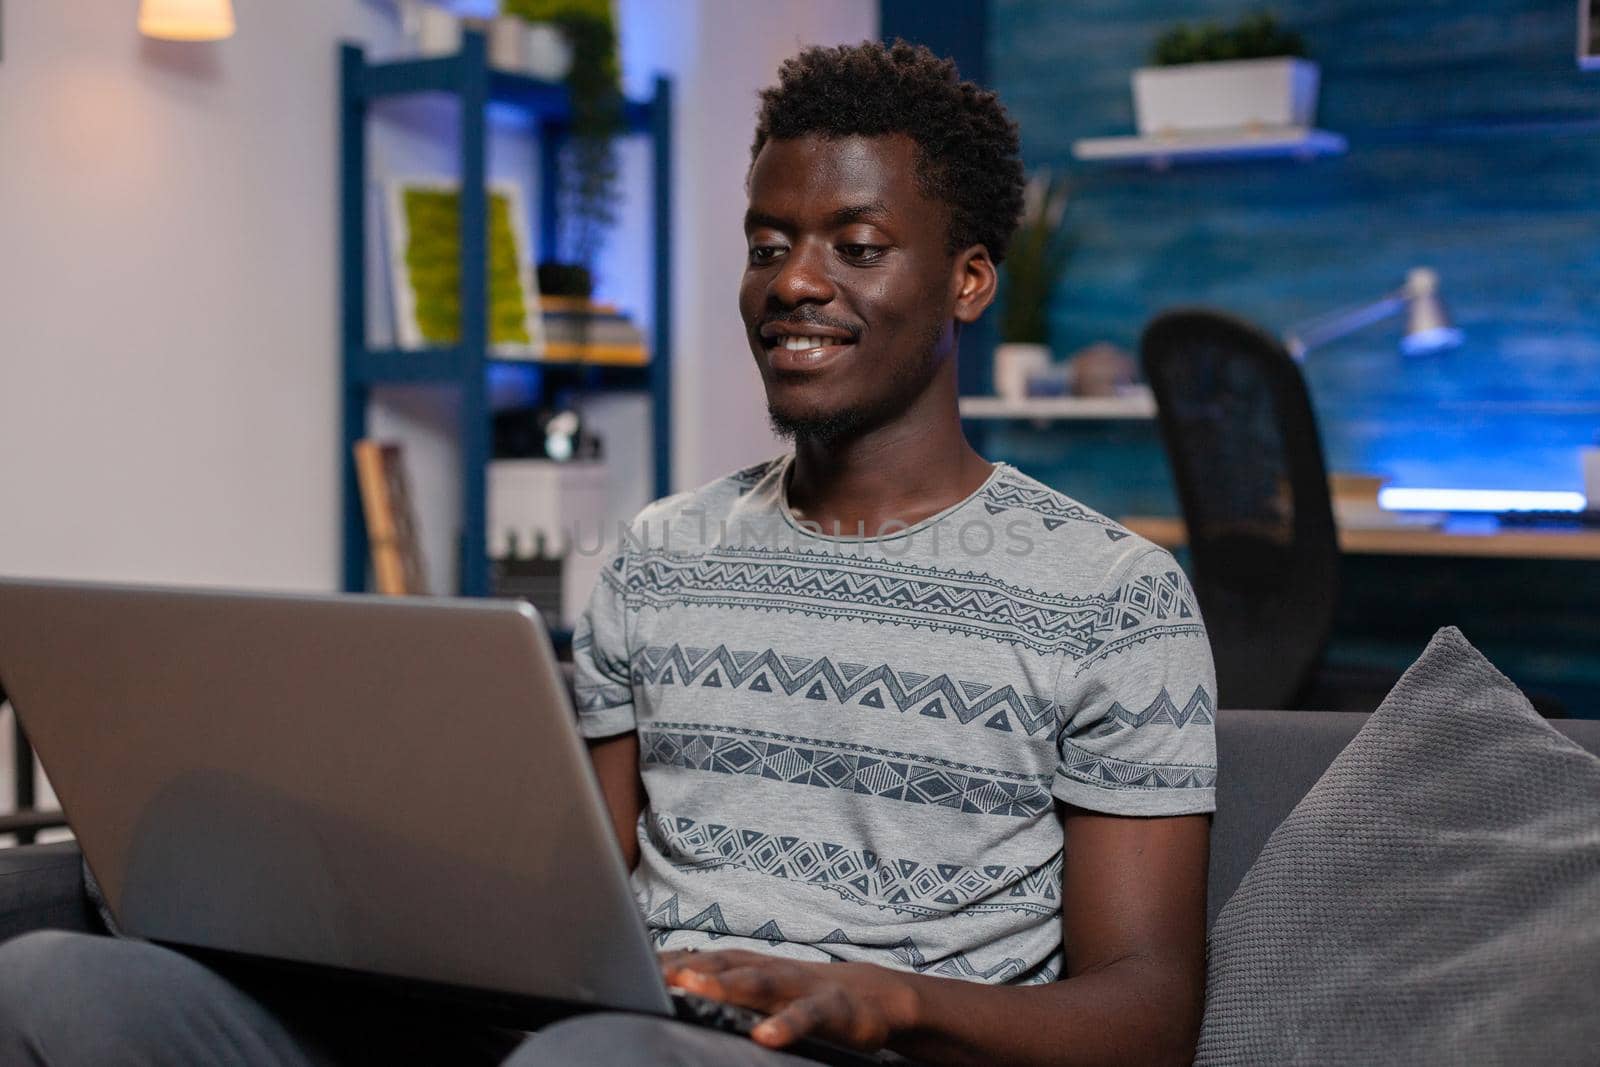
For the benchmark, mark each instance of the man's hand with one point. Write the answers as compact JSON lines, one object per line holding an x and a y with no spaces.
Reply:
{"x":859,"y":1005}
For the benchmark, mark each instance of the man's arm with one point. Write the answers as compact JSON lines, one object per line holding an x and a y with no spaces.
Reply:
{"x":616,"y":764}
{"x":1133,"y":923}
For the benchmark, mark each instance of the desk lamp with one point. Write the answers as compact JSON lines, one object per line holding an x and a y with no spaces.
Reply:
{"x":1428,"y":328}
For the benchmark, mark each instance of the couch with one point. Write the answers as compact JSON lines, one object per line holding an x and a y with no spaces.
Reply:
{"x":1269,"y":760}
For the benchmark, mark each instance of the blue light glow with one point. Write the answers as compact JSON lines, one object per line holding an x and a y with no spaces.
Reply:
{"x":1492,"y":500}
{"x":1427,"y":342}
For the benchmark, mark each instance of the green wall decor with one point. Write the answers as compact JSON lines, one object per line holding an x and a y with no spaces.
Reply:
{"x":425,"y":260}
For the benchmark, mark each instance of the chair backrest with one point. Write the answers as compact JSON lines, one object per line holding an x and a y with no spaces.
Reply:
{"x":1242,"y":441}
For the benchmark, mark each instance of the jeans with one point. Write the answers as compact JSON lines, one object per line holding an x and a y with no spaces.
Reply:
{"x":71,"y":999}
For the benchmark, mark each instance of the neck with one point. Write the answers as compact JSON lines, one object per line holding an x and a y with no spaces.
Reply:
{"x":902,"y":472}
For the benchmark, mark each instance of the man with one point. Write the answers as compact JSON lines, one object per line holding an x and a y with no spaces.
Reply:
{"x":906,"y":750}
{"x":905,"y":708}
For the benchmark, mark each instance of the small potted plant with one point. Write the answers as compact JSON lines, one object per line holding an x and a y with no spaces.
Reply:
{"x":1035,"y":263}
{"x":594,"y":80}
{"x":1211,"y":77}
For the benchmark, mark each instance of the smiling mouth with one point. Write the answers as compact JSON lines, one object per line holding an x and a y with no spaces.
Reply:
{"x":800,"y":353}
{"x":802,"y":344}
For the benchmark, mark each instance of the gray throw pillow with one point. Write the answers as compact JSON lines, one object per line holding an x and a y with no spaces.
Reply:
{"x":1435,"y":898}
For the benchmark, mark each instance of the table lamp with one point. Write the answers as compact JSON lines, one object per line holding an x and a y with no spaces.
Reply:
{"x":1428,"y":327}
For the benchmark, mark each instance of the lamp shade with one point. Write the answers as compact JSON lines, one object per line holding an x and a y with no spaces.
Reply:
{"x":1428,"y":327}
{"x":186,"y":20}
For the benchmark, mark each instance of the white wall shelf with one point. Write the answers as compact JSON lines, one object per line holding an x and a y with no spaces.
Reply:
{"x":1258,"y":142}
{"x":1137,"y":405}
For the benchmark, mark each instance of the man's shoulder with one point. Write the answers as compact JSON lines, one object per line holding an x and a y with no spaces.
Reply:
{"x":713,"y":499}
{"x":1059,"y":542}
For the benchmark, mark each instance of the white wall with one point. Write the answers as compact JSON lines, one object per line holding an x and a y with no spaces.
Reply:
{"x":168,"y":277}
{"x":168,"y":296}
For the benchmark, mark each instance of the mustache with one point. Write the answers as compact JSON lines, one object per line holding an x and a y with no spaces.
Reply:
{"x":810,"y":318}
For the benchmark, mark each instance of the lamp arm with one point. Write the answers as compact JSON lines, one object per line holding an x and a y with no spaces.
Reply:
{"x":1307,"y":334}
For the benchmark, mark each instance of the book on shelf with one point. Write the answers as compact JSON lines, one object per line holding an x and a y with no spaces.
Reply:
{"x":392,"y":537}
{"x":579,"y":330}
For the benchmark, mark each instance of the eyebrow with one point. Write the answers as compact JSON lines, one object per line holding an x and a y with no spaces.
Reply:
{"x":876,"y":211}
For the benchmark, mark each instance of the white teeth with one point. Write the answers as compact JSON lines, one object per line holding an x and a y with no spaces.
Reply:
{"x":799,"y":344}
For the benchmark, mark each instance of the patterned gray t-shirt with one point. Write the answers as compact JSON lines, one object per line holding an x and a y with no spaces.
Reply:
{"x":853,"y":747}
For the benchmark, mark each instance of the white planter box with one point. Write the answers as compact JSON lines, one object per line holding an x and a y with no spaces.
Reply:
{"x":1227,"y":95}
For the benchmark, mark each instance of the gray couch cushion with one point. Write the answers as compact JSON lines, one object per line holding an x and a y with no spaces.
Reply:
{"x":1435,"y":897}
{"x":1266,"y":761}
{"x":41,"y":888}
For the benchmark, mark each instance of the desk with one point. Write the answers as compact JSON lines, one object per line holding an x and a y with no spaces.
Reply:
{"x":1524,"y":596}
{"x":1471,"y":537}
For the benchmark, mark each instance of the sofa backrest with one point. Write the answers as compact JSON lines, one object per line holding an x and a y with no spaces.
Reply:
{"x":1267,"y":761}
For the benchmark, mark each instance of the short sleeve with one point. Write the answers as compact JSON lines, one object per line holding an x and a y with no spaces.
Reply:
{"x":1139,"y":729}
{"x":602,"y":676}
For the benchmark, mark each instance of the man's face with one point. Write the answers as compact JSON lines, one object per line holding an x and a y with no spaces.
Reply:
{"x":848,"y":289}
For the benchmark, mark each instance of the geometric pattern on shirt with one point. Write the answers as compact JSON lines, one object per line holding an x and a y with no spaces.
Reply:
{"x":828,"y":585}
{"x":1163,"y":709}
{"x":823,"y":678}
{"x":854,"y":768}
{"x":749,"y":477}
{"x":1165,"y":596}
{"x":664,"y":920}
{"x":1053,"y":509}
{"x":1107,"y":772}
{"x":861,"y":875}
{"x":600,"y":696}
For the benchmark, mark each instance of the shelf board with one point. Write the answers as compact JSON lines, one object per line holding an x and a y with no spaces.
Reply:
{"x":1140,"y":405}
{"x":423,"y":366}
{"x":407,"y":366}
{"x":537,"y":97}
{"x":549,"y":102}
{"x":422,"y":74}
{"x":568,"y":372}
{"x":1262,"y":142}
{"x":29,"y":821}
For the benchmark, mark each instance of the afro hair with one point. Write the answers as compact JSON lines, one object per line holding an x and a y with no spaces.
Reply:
{"x":967,"y":146}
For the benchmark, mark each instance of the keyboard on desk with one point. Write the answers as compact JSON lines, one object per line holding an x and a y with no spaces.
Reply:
{"x":1550,"y":520}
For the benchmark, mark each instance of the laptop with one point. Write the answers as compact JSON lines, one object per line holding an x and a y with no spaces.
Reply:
{"x":391,"y":788}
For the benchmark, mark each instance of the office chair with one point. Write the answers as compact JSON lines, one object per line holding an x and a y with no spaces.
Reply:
{"x":1241,"y":437}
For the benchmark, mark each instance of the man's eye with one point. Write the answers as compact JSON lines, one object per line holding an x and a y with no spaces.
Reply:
{"x":761,"y":254}
{"x":861,"y":253}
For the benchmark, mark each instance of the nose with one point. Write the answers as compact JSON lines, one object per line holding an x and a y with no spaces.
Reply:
{"x":803,"y":277}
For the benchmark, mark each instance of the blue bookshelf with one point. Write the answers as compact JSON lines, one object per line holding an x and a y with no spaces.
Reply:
{"x":465,"y":367}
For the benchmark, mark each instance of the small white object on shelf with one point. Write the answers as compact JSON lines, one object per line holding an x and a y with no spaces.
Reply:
{"x":563,"y":507}
{"x":507,"y":43}
{"x":546,"y":51}
{"x":432,"y":31}
{"x":1591,"y":476}
{"x":1014,"y":363}
{"x":1134,"y":404}
{"x":1227,"y":94}
{"x":1299,"y":142}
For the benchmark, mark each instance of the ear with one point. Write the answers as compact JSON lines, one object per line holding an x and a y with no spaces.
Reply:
{"x":973,"y":283}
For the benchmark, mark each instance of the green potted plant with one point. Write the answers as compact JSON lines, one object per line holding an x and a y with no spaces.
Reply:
{"x":1034,"y":265}
{"x":1250,"y":75}
{"x":594,"y":81}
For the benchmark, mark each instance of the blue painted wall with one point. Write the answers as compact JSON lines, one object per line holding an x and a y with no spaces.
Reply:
{"x":959,"y":31}
{"x":1474,"y":148}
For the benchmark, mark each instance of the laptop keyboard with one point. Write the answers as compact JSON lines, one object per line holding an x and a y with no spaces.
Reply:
{"x":732,"y":1019}
{"x":1581,"y":520}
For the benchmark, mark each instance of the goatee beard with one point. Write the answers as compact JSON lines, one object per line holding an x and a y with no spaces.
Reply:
{"x":828,"y":429}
